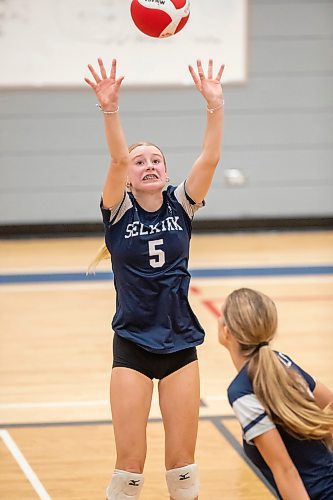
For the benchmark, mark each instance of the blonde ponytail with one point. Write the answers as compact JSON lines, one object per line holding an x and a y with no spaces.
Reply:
{"x":286,"y":397}
{"x":102,"y":254}
{"x":252,"y":318}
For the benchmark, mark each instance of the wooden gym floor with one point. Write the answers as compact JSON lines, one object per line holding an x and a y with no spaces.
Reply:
{"x":56,"y":438}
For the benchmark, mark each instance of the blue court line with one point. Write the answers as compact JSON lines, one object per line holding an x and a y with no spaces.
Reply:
{"x":195,"y":273}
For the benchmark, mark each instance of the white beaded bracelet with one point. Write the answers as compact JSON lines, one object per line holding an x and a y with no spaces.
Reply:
{"x":108,"y":112}
{"x":211,"y":110}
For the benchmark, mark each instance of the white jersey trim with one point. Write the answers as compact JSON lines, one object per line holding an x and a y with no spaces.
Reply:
{"x":118,"y":210}
{"x":252,"y":416}
{"x":258,"y":429}
{"x":182,"y":198}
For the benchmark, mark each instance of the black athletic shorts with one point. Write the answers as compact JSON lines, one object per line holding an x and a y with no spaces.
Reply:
{"x":153,"y":365}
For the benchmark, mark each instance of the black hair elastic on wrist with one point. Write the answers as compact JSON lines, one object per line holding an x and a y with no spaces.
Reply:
{"x":262,"y":344}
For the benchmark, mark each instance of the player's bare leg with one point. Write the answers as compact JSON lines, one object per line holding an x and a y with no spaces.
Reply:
{"x":180,"y":420}
{"x":131,"y":394}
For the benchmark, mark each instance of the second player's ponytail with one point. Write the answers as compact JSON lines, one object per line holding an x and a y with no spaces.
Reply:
{"x":252,"y":318}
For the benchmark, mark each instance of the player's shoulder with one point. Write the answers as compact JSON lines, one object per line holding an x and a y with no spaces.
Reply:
{"x":240,"y":386}
{"x":170,"y":190}
{"x":290,"y":363}
{"x":285,"y":359}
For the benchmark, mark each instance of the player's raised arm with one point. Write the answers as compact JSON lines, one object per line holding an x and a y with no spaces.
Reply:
{"x":107,"y":90}
{"x":201,"y":174}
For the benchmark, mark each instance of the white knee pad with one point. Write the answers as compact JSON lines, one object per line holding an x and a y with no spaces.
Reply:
{"x":183,"y":482}
{"x":124,"y":485}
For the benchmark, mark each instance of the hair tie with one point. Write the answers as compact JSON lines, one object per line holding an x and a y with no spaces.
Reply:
{"x":261,"y":344}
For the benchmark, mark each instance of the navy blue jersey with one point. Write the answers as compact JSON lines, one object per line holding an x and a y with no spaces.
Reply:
{"x":312,"y":459}
{"x":149,"y":253}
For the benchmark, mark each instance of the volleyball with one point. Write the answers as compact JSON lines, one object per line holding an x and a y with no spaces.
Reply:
{"x":160,"y":18}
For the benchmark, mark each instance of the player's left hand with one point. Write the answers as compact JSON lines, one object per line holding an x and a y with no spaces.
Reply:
{"x":209,"y":87}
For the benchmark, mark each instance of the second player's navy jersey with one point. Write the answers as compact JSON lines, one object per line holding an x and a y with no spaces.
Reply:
{"x":149,"y":253}
{"x":312,"y":458}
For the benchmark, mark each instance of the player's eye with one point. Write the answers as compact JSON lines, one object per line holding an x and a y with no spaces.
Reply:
{"x":156,"y":161}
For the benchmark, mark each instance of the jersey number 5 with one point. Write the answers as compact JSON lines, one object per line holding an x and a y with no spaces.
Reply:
{"x":158,"y":255}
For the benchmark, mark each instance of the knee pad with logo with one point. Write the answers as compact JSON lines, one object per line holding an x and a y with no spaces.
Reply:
{"x":183,"y":482}
{"x":124,"y":485}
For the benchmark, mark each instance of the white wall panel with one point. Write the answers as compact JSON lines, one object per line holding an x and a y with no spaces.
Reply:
{"x":278,"y":131}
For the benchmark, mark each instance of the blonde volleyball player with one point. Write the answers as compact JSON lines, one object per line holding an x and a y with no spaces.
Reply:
{"x":286,"y":415}
{"x":147,"y":233}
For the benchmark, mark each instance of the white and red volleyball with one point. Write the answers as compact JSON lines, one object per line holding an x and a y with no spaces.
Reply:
{"x":160,"y":18}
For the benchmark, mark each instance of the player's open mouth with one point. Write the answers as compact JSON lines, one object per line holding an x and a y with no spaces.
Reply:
{"x":150,"y":177}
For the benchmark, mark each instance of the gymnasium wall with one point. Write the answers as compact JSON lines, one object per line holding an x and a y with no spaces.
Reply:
{"x":277,"y":159}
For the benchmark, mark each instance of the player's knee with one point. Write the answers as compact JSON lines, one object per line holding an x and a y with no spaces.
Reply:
{"x":183,"y":482}
{"x":124,"y":485}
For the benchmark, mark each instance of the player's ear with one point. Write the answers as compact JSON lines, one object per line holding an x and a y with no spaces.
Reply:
{"x":228,"y":335}
{"x":227,"y":332}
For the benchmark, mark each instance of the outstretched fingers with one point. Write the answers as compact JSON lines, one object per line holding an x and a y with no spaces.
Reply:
{"x":102,"y":68}
{"x":219,"y":74}
{"x":94,"y":73}
{"x":194,"y":76}
{"x":119,"y":81}
{"x":199,"y":76}
{"x":103,"y":74}
{"x":113,"y":69}
{"x":90,"y":83}
{"x":210,"y":69}
{"x":200,"y":70}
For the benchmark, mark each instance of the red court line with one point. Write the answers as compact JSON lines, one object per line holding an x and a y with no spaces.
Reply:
{"x":195,"y":289}
{"x":210,"y":304}
{"x":294,"y":298}
{"x":212,"y":308}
